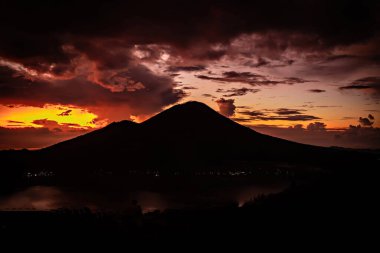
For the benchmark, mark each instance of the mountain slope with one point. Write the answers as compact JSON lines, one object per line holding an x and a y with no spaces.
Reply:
{"x":189,"y":135}
{"x":112,"y":135}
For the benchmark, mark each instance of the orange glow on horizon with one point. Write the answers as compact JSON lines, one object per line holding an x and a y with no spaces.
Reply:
{"x":69,"y":116}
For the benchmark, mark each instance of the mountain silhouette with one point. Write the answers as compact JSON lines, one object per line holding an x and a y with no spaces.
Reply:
{"x":187,"y":136}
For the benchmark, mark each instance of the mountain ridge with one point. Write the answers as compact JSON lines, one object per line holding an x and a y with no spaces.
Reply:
{"x":191,"y":118}
{"x":190,"y":135}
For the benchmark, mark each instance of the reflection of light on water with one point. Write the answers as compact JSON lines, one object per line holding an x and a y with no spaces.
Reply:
{"x":249,"y":193}
{"x":151,"y":201}
{"x":37,"y":197}
{"x":45,"y":198}
{"x":150,"y":209}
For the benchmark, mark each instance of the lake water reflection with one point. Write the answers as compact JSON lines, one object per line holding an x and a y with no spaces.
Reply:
{"x":50,"y":197}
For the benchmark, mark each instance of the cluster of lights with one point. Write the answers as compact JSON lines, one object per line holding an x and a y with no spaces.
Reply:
{"x":40,"y":174}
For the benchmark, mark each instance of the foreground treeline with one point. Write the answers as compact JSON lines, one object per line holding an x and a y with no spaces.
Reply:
{"x":328,"y":207}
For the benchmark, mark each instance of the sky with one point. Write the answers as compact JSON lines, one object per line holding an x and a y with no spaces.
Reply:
{"x":307,"y":71}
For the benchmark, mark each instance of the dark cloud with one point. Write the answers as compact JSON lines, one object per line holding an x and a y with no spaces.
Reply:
{"x":327,"y":106}
{"x":235,"y":92}
{"x":189,"y":88}
{"x":208,"y":95}
{"x":239,"y":77}
{"x":70,"y":124}
{"x":159,"y":91}
{"x":339,"y":57}
{"x":65,"y":113}
{"x":316,"y":91}
{"x":352,"y":61}
{"x":264,"y":62}
{"x":45,"y":27}
{"x":373,"y":81}
{"x":186,"y":68}
{"x":316,"y":126}
{"x":252,"y":113}
{"x":54,"y":126}
{"x":226,"y":106}
{"x":286,"y":111}
{"x":234,"y":74}
{"x":261,"y":62}
{"x":297,"y":127}
{"x":295,"y":80}
{"x":14,"y":121}
{"x":285,"y":114}
{"x":241,"y":120}
{"x":251,"y":78}
{"x":43,"y":38}
{"x":371,"y":84}
{"x":355,"y":87}
{"x":94,"y":53}
{"x":51,"y":38}
{"x":300,"y":117}
{"x":375,"y":58}
{"x":364,"y":83}
{"x":243,"y":107}
{"x":367,"y":122}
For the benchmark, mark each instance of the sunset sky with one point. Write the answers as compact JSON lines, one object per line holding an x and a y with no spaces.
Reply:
{"x":307,"y":71}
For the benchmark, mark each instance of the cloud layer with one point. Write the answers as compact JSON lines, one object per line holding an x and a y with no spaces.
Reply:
{"x":130,"y":60}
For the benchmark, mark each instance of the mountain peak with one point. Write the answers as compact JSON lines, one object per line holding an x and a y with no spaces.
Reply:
{"x":191,"y":107}
{"x":125,"y":123}
{"x":193,"y":104}
{"x":194,"y":108}
{"x":191,"y":112}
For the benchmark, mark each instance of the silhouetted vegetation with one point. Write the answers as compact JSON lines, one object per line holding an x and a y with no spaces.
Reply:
{"x":323,"y":207}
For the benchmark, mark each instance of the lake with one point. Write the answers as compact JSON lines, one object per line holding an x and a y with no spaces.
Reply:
{"x":41,"y":197}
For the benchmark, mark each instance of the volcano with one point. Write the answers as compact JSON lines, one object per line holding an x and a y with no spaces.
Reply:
{"x":186,"y":137}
